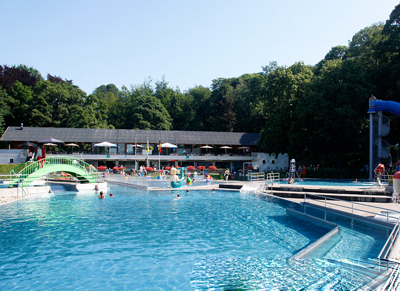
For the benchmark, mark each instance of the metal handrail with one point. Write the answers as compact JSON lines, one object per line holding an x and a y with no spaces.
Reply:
{"x":391,"y":239}
{"x":352,"y":203}
{"x":61,"y":160}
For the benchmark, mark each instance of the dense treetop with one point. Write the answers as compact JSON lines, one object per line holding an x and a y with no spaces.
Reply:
{"x":317,"y":114}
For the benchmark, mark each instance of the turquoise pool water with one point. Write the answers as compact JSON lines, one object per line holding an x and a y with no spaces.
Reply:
{"x":146,"y":240}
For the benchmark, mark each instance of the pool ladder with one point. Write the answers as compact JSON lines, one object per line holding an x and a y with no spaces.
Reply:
{"x":272,"y":178}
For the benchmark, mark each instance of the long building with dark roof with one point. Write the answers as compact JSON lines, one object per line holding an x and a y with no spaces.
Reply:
{"x":221,"y":149}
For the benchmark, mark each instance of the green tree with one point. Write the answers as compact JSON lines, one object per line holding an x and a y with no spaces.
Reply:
{"x":332,"y":126}
{"x":284,"y":87}
{"x":147,"y":112}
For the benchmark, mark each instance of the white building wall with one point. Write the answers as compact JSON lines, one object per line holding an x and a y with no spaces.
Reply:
{"x":266,"y":162}
{"x":12,"y":156}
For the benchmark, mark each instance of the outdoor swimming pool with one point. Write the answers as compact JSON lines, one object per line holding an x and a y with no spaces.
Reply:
{"x":146,"y":240}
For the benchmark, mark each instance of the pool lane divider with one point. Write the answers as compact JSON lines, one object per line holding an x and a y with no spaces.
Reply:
{"x":324,"y":244}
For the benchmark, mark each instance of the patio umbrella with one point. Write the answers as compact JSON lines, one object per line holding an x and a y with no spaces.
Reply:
{"x":226,"y":148}
{"x":27,"y":144}
{"x":72,"y":145}
{"x":243,"y":148}
{"x":50,"y":140}
{"x":106,"y":144}
{"x":49,"y":144}
{"x":168,"y":145}
{"x":206,"y":147}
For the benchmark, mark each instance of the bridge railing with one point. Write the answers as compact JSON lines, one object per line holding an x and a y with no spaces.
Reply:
{"x":61,"y":160}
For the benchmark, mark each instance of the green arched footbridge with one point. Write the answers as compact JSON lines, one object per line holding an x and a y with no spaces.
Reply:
{"x":28,"y":172}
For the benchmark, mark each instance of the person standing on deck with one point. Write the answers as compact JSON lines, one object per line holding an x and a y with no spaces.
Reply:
{"x":379,"y":171}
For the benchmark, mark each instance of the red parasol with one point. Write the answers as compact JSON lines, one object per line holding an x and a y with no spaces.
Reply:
{"x":101,"y":168}
{"x":191,"y":168}
{"x":212,"y":167}
{"x":167,"y":168}
{"x":201,"y":167}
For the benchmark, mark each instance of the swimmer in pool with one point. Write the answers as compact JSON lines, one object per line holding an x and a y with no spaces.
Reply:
{"x":101,"y":195}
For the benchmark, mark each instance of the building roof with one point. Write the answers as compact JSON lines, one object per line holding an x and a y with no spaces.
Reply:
{"x":90,"y":135}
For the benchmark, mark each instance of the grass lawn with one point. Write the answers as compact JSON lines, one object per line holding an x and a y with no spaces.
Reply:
{"x":5,"y":169}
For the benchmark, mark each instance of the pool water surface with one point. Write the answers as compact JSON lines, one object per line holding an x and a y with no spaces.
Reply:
{"x":149,"y":240}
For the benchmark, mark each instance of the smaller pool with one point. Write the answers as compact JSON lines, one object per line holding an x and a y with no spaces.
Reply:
{"x":332,"y":182}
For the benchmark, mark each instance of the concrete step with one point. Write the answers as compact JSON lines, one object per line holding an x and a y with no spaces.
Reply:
{"x":347,"y":197}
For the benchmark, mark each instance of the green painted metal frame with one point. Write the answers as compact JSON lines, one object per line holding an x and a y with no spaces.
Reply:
{"x":34,"y":170}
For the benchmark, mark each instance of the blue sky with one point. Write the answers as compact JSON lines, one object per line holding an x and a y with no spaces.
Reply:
{"x":191,"y":43}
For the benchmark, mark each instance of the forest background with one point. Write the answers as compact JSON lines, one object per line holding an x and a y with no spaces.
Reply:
{"x":315,"y":113}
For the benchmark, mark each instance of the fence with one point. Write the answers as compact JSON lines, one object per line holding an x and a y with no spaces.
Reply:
{"x":324,"y":200}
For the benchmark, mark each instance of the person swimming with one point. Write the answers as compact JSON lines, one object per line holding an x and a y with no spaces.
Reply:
{"x":101,"y":195}
{"x":111,"y":195}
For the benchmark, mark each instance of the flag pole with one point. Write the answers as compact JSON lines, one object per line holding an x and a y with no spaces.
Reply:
{"x":159,"y":153}
{"x":147,"y":150}
{"x":135,"y":155}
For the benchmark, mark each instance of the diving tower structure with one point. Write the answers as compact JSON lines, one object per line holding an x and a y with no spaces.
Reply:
{"x":25,"y":174}
{"x":379,"y":126}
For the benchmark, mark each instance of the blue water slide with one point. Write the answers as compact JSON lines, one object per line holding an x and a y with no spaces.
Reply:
{"x":387,"y":106}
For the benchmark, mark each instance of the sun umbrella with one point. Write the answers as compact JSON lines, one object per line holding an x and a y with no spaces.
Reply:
{"x":206,"y":147}
{"x":106,"y":144}
{"x":49,"y":144}
{"x":72,"y":145}
{"x":168,"y":145}
{"x":226,"y":148}
{"x":191,"y":168}
{"x":101,"y":168}
{"x":27,"y":144}
{"x":243,"y":148}
{"x":50,"y":140}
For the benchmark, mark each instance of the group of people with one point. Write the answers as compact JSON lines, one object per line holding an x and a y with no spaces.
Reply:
{"x":302,"y":171}
{"x":38,"y":154}
{"x":101,"y":195}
